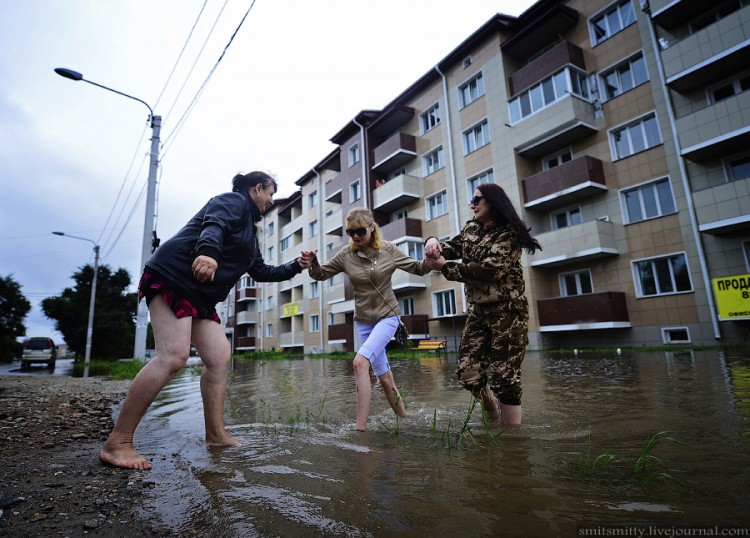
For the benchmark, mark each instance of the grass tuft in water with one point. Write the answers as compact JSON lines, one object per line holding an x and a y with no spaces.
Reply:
{"x":648,"y":467}
{"x":588,"y":467}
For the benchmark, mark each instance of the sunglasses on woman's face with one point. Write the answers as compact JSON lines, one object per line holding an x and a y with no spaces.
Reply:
{"x":475,"y":200}
{"x":359,"y":232}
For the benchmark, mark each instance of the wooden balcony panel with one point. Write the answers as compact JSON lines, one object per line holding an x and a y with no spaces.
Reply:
{"x":244,"y":342}
{"x":576,"y":179}
{"x":606,"y":309}
{"x":246,"y":294}
{"x":340,"y":331}
{"x":547,"y":64}
{"x":394,"y":152}
{"x":402,"y":228}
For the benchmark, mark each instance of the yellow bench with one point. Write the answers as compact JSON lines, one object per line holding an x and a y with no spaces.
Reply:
{"x":431,"y":345}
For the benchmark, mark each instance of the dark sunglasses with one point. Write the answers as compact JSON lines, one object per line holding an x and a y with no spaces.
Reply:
{"x":475,"y":200}
{"x":359,"y":232}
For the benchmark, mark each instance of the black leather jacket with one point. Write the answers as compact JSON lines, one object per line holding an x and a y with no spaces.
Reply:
{"x":225,"y":230}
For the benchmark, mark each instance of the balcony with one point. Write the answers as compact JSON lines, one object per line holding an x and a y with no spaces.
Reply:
{"x":561,"y":185}
{"x":394,"y":153}
{"x":292,"y":339}
{"x":560,"y":124}
{"x":717,"y":130}
{"x":547,"y":64}
{"x":401,"y":228}
{"x":246,"y":294}
{"x":403,"y":281}
{"x":397,"y":193}
{"x":340,"y":332}
{"x":543,"y":19}
{"x":246,"y":318}
{"x":723,"y":209}
{"x":670,"y":13}
{"x":417,"y":325}
{"x":605,"y":310}
{"x":244,"y":342}
{"x":586,"y":241}
{"x":709,"y":54}
{"x":333,"y":222}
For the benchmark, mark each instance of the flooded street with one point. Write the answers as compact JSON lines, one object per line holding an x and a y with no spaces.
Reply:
{"x":304,"y":471}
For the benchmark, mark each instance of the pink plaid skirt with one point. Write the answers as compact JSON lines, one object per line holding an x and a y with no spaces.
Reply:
{"x":150,"y":286}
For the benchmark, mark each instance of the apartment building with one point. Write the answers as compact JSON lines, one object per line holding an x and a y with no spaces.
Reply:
{"x":620,"y":130}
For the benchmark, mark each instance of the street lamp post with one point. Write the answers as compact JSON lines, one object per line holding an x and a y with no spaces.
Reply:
{"x":90,"y":327}
{"x":141,"y":325}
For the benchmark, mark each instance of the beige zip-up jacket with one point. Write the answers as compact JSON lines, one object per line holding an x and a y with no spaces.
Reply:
{"x":368,"y":265}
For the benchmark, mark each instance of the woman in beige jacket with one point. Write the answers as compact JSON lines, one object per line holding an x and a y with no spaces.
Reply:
{"x":369,"y":261}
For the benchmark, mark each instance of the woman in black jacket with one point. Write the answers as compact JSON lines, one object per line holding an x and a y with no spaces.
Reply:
{"x":182,"y":283}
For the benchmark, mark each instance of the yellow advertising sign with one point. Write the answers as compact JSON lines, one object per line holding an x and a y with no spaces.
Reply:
{"x":290,"y":309}
{"x":733,"y":297}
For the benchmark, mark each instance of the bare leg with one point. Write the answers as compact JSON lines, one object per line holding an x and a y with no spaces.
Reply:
{"x":213,"y":347}
{"x":511,"y":414}
{"x":364,"y":390}
{"x":172,"y":347}
{"x":392,"y":394}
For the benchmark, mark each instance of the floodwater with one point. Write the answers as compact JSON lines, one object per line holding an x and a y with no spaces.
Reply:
{"x":304,"y":471}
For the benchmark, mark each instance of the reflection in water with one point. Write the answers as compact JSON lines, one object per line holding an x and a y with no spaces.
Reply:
{"x":304,"y":471}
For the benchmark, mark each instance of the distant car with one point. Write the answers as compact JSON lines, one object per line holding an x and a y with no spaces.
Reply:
{"x":39,"y":349}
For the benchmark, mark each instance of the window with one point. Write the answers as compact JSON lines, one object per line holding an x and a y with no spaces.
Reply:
{"x":269,"y":330}
{"x":715,"y":14}
{"x":406,"y":305}
{"x":444,"y":303}
{"x":430,"y":119}
{"x":557,"y":159}
{"x":270,"y":253}
{"x":269,"y":302}
{"x":433,"y":161}
{"x":476,"y":137}
{"x":738,"y":168}
{"x":246,"y":282}
{"x":313,"y":228}
{"x":675,"y":335}
{"x":329,"y":248}
{"x":467,"y":62}
{"x":473,"y":182}
{"x":471,"y":91}
{"x":611,"y":21}
{"x":354,"y":192}
{"x":437,"y":205}
{"x":566,"y":218}
{"x":635,"y":137}
{"x":398,"y":172}
{"x":415,"y":249}
{"x":331,"y":318}
{"x":548,"y":91}
{"x":648,"y":201}
{"x":312,"y":199}
{"x":746,"y":251}
{"x":315,"y":323}
{"x":624,"y":76}
{"x":662,"y":276}
{"x":285,"y":243}
{"x":400,"y":214}
{"x":270,"y":228}
{"x":576,"y":283}
{"x":354,"y":155}
{"x":314,"y":288}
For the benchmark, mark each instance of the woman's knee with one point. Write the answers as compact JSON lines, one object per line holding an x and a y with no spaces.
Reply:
{"x":171,"y":360}
{"x":361,"y":364}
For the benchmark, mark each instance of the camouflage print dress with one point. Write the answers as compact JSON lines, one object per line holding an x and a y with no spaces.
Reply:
{"x":496,"y":331}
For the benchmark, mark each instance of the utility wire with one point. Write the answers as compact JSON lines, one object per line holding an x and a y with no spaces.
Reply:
{"x":191,"y":106}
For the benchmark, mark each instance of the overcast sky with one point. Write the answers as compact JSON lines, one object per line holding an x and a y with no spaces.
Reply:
{"x":73,"y":157}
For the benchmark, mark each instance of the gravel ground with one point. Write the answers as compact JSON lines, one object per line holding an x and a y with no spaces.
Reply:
{"x":51,"y":481}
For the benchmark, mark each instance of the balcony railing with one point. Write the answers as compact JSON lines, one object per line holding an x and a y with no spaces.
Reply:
{"x":716,"y":130}
{"x":245,"y":318}
{"x":605,"y":310}
{"x":561,"y":185}
{"x":547,"y":64}
{"x":244,"y":342}
{"x":395,"y":152}
{"x":334,"y":223}
{"x":246,"y":294}
{"x":573,"y":244}
{"x":340,"y":332}
{"x":729,"y":216}
{"x":560,"y":124}
{"x":405,"y":227}
{"x":397,"y":193}
{"x":403,"y":281}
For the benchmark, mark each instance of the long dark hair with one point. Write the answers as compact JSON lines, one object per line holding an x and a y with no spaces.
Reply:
{"x":245,"y":182}
{"x":503,"y":212}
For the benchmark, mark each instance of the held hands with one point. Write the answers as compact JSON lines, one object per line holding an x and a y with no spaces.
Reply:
{"x":435,"y":263}
{"x":432,"y":249}
{"x":306,"y":259}
{"x":204,"y":268}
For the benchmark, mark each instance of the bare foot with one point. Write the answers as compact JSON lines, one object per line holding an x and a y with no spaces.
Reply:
{"x":223,"y":439}
{"x":123,"y":456}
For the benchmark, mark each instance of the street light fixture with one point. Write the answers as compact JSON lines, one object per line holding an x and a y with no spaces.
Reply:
{"x":90,"y":328}
{"x":141,"y":325}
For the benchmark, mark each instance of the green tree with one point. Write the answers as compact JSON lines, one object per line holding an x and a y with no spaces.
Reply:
{"x":114,"y":313}
{"x":14,"y":307}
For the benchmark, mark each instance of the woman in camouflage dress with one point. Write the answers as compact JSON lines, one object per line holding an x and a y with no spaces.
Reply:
{"x":495,"y":335}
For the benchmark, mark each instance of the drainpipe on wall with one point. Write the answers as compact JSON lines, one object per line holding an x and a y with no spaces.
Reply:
{"x":452,"y":167}
{"x":321,"y":234}
{"x":685,"y":183}
{"x":363,"y":160}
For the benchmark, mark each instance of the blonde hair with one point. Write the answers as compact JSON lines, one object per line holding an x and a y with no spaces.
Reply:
{"x":361,"y":217}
